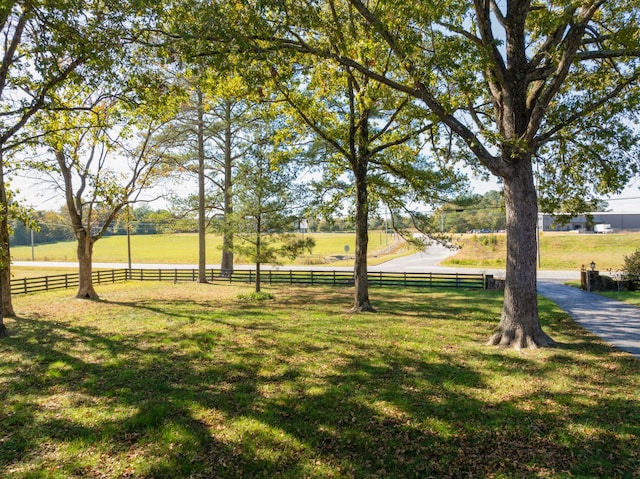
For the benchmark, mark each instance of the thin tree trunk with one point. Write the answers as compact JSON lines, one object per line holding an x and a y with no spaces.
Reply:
{"x":5,"y":253}
{"x":519,"y":326}
{"x":202,"y":248}
{"x":258,"y":255}
{"x":85,"y":263}
{"x":3,"y":328}
{"x":227,"y":239}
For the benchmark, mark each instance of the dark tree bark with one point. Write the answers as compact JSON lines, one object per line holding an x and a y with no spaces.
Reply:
{"x":258,"y":277}
{"x":519,"y":326}
{"x":202,"y":223}
{"x":85,"y":264}
{"x":362,"y":303}
{"x":5,"y":253}
{"x":6,"y":306}
{"x":226,"y":265}
{"x":258,"y":254}
{"x":3,"y":328}
{"x":360,"y":155}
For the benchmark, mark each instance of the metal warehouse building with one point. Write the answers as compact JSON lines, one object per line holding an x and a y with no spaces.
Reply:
{"x":587,"y":222}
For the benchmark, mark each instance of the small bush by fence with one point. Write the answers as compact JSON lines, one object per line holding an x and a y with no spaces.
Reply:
{"x":327,"y":278}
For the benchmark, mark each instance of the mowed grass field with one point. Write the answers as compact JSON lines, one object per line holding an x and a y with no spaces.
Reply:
{"x":558,"y":251}
{"x":188,"y":381}
{"x":183,"y":248}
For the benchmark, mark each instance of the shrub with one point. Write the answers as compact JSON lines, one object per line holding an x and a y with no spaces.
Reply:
{"x":489,"y":240}
{"x":631,"y":268}
{"x":261,"y":296}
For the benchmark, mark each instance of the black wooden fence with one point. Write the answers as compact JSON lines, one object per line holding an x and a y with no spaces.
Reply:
{"x":327,"y":278}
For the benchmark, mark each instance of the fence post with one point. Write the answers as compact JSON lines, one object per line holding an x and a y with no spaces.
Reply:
{"x":460,"y":280}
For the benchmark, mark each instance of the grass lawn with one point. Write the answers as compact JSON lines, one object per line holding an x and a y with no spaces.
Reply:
{"x":631,"y":297}
{"x":175,"y":381}
{"x":558,"y":251}
{"x":183,"y":248}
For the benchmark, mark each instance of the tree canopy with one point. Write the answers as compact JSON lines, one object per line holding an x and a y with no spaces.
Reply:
{"x":543,"y":95}
{"x":512,"y":85}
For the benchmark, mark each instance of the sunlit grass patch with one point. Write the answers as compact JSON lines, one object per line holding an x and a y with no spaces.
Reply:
{"x":567,"y":251}
{"x":160,"y":380}
{"x":182,"y":248}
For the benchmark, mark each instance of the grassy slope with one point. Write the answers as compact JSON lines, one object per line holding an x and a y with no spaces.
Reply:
{"x":172,"y":381}
{"x":180,"y":248}
{"x":558,"y":251}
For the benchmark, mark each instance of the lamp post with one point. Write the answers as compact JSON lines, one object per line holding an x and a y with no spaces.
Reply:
{"x":592,"y":278}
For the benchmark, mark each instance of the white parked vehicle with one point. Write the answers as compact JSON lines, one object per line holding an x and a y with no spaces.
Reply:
{"x":602,"y":228}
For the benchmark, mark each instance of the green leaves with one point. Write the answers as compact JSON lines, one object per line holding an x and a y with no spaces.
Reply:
{"x":267,"y":202}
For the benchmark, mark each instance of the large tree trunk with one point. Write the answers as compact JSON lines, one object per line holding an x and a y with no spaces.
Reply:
{"x":5,"y":253}
{"x":5,"y":269}
{"x":226,"y":265}
{"x":520,"y":324}
{"x":361,"y":281}
{"x":85,"y":263}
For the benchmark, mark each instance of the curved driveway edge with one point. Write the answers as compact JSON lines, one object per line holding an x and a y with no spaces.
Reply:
{"x":616,"y":322}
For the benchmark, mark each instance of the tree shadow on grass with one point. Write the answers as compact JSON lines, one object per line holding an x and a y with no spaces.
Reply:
{"x":236,"y":397}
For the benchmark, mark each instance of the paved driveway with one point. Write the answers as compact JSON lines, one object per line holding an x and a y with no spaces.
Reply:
{"x":615,"y":322}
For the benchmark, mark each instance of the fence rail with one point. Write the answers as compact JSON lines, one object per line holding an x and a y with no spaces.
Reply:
{"x":310,"y":277}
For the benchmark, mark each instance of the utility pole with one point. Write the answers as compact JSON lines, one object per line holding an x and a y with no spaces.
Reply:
{"x":129,"y":239}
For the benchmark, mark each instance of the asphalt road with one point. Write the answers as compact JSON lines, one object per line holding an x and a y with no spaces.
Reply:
{"x":429,"y":260}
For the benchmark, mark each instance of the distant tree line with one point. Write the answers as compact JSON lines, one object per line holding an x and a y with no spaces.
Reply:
{"x":53,"y":227}
{"x":474,"y":213}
